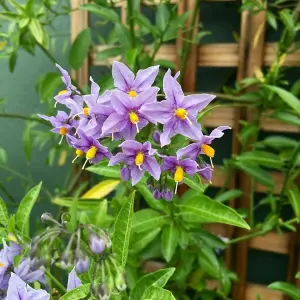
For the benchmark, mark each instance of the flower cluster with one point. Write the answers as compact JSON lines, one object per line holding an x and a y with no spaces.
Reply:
{"x":120,"y":114}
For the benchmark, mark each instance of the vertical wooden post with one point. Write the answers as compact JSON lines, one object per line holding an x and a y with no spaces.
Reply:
{"x":79,"y":22}
{"x":254,"y":59}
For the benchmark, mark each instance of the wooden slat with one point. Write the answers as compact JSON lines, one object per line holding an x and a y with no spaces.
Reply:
{"x":215,"y":55}
{"x":266,"y":294}
{"x":79,"y":22}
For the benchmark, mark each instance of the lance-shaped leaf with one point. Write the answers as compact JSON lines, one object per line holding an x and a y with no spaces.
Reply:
{"x":122,"y":231}
{"x":286,"y":288}
{"x":77,"y":293}
{"x":203,"y":209}
{"x":170,"y":237}
{"x":156,"y":293}
{"x":101,"y":189}
{"x":103,"y":170}
{"x":3,"y":213}
{"x":141,"y":240}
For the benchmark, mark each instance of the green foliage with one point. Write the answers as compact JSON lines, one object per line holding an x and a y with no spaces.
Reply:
{"x":286,"y":288}
{"x":3,"y":213}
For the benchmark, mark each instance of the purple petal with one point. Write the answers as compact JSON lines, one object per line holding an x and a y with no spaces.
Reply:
{"x":150,"y":164}
{"x":189,"y":166}
{"x":125,"y":173}
{"x":146,"y":97}
{"x":193,"y":131}
{"x":114,"y":123}
{"x":172,"y":88}
{"x":216,"y":133}
{"x":195,"y":103}
{"x":169,"y":163}
{"x":192,"y":151}
{"x":129,"y":132}
{"x":145,"y":78}
{"x":119,"y":157}
{"x":121,"y":102}
{"x":168,"y":133}
{"x":205,"y":171}
{"x":65,"y":75}
{"x":136,"y":175}
{"x":131,"y":147}
{"x":123,"y":76}
{"x":104,"y":98}
{"x":73,"y":280}
{"x":160,"y":112}
{"x":95,"y":88}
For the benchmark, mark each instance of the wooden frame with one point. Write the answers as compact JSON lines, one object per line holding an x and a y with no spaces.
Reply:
{"x":248,"y":55}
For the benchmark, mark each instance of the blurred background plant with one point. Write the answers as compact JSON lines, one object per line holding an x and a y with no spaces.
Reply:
{"x":34,"y":27}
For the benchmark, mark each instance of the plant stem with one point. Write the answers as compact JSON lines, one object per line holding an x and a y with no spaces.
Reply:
{"x":56,"y":282}
{"x":23,"y":117}
{"x":187,"y":45}
{"x":52,"y":58}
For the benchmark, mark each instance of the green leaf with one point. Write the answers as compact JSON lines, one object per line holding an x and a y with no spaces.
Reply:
{"x":146,"y":219}
{"x":27,"y":141}
{"x":156,"y":293}
{"x":122,"y":231}
{"x":287,"y":19}
{"x":103,"y":170}
{"x":165,"y":63}
{"x":262,"y":158}
{"x":286,"y":117}
{"x":110,"y":52}
{"x":37,"y":30}
{"x":30,"y":7}
{"x":286,"y":288}
{"x":148,"y":196}
{"x":48,"y":84}
{"x":123,"y":36}
{"x":162,"y":16}
{"x":209,"y":262}
{"x":9,"y":16}
{"x":177,"y":23}
{"x":80,"y":49}
{"x":3,"y":213}
{"x":141,"y":240}
{"x":103,"y":12}
{"x":12,"y":61}
{"x":294,"y":198}
{"x":279,"y":142}
{"x":25,"y":207}
{"x":3,"y":156}
{"x":287,"y":97}
{"x":156,"y":279}
{"x":169,"y":243}
{"x":271,"y":19}
{"x":77,"y":293}
{"x":82,"y":203}
{"x":100,"y":214}
{"x":142,"y":21}
{"x":257,"y":173}
{"x":297,"y":275}
{"x":202,"y":208}
{"x":194,"y":183}
{"x":229,"y":195}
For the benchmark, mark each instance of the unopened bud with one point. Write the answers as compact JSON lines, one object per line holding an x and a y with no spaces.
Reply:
{"x":82,"y":262}
{"x":167,"y":194}
{"x":46,"y":217}
{"x":97,"y":243}
{"x":103,"y":292}
{"x":120,"y":282}
{"x":65,"y":218}
{"x":156,"y":137}
{"x":66,"y":260}
{"x":157,"y":194}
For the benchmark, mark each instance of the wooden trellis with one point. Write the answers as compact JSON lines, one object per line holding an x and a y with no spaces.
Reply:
{"x":250,"y":54}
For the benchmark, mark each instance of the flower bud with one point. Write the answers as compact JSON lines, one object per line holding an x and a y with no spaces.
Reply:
{"x":156,"y":137}
{"x":157,"y":194}
{"x":120,"y":282}
{"x":66,"y":260}
{"x":167,"y":194}
{"x":97,"y":243}
{"x":103,"y":292}
{"x":125,"y":173}
{"x":205,"y":171}
{"x":82,"y":262}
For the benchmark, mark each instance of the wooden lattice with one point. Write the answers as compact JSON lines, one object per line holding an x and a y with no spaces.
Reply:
{"x":250,"y":54}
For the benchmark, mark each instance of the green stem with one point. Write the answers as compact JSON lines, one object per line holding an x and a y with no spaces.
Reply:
{"x":187,"y":45}
{"x":23,"y":117}
{"x":52,"y":58}
{"x":55,"y":281}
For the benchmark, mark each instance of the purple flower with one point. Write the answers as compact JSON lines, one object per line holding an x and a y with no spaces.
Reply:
{"x":202,"y":147}
{"x":82,"y":262}
{"x":73,"y":280}
{"x":70,"y":93}
{"x":127,"y":118}
{"x":125,"y":173}
{"x":94,"y":151}
{"x":140,"y":158}
{"x":97,"y":243}
{"x":179,"y":167}
{"x":19,"y":290}
{"x":63,"y":124}
{"x":156,"y":137}
{"x":125,"y":81}
{"x":178,"y":113}
{"x":94,"y":98}
{"x":27,"y":272}
{"x":205,"y":171}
